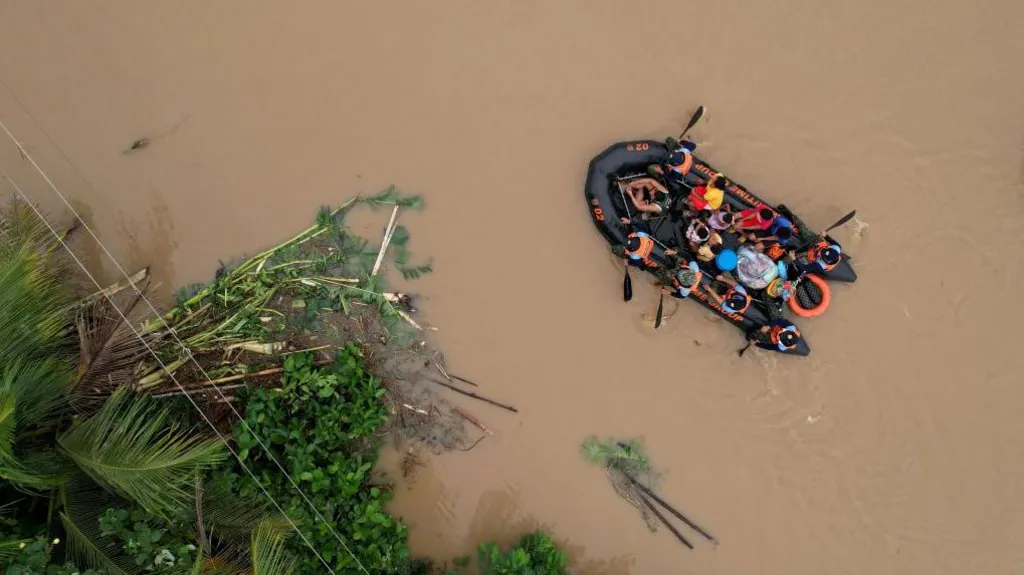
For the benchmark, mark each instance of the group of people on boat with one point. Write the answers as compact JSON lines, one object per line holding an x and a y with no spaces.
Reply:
{"x":761,"y":249}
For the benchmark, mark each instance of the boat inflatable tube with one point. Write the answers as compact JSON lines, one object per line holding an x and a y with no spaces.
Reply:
{"x":607,"y":204}
{"x":812,"y":297}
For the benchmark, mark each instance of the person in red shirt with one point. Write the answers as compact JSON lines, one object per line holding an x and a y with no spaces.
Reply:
{"x":759,"y":218}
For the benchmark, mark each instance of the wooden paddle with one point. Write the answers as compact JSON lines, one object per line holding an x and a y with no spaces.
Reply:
{"x":697,"y":115}
{"x":838,"y":223}
{"x":627,"y":283}
{"x":661,"y":309}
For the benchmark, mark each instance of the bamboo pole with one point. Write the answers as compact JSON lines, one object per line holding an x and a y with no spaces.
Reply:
{"x":473,"y":420}
{"x":387,"y":240}
{"x":664,"y":521}
{"x":198,"y":386}
{"x":475,"y":396}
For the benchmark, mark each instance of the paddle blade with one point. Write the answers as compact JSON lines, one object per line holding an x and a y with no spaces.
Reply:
{"x":842,"y":221}
{"x":661,"y":310}
{"x":693,"y":120}
{"x":627,"y":286}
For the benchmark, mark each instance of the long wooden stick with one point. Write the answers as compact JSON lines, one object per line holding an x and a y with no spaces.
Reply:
{"x":463,"y":380}
{"x":473,"y":420}
{"x":475,"y":396}
{"x":664,"y":521}
{"x":671,"y":509}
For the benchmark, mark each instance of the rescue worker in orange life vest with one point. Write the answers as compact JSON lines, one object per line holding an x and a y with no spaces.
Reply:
{"x":779,"y":335}
{"x":639,"y":246}
{"x":823,"y":256}
{"x":679,"y":163}
{"x":736,"y":300}
{"x":683,"y":281}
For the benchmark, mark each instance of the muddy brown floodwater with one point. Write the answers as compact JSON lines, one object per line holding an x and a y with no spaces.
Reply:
{"x":895,"y":448}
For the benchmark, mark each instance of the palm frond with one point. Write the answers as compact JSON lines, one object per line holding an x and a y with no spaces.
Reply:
{"x":84,"y":502}
{"x":34,"y":301}
{"x":267,"y":553}
{"x":135,"y":447}
{"x":38,"y":388}
{"x":230,"y":515}
{"x":393,"y":196}
{"x":29,"y":397}
{"x":109,"y":352}
{"x":36,"y":472}
{"x":21,"y":228}
{"x":84,"y":545}
{"x":7,"y":427}
{"x":414,"y":272}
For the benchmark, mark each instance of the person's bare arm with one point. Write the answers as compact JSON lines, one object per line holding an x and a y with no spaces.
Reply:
{"x":649,"y":208}
{"x":715,"y":295}
{"x":726,"y":280}
{"x":637,"y":203}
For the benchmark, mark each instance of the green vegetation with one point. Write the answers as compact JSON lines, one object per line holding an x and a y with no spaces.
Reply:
{"x":535,"y":554}
{"x":105,"y":468}
{"x":72,"y":449}
{"x":320,"y":425}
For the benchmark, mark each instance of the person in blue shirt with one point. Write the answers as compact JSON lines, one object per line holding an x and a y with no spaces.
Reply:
{"x":779,"y":335}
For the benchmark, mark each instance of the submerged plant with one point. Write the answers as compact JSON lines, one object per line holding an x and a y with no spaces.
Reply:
{"x":535,"y":554}
{"x":629,"y":470}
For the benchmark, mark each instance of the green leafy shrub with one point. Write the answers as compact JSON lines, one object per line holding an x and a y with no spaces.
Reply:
{"x":34,"y":558}
{"x":535,"y":554}
{"x":320,"y":427}
{"x":147,"y":539}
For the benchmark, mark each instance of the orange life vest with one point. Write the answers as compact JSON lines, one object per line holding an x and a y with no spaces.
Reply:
{"x":775,"y":251}
{"x":643,"y":253}
{"x":814,"y":255}
{"x":679,"y":286}
{"x":683,"y":168}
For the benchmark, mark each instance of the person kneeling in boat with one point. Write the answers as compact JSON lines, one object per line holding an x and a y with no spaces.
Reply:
{"x":736,"y":300}
{"x":760,"y":218}
{"x":780,"y":236}
{"x":680,"y":161}
{"x":639,"y":246}
{"x":779,"y":335}
{"x":823,"y":256}
{"x":709,"y":196}
{"x":684,"y":281}
{"x":648,"y":195}
{"x":722,"y":220}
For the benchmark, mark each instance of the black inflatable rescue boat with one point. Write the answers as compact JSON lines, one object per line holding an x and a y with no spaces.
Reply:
{"x":607,"y":205}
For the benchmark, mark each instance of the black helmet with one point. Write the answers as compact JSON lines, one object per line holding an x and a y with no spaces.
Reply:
{"x":831,"y":255}
{"x":736,"y":301}
{"x":633,"y":243}
{"x":789,"y":338}
{"x":784,"y":233}
{"x":766,"y":213}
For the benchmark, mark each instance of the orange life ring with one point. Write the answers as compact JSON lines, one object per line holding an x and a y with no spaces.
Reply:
{"x":826,"y":298}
